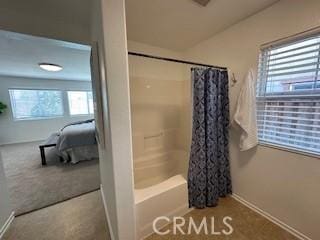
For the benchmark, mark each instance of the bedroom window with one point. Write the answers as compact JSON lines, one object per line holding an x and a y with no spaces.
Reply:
{"x":36,"y":104}
{"x":288,"y":95}
{"x":80,"y":102}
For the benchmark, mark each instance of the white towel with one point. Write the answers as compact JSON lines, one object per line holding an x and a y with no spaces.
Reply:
{"x":245,"y":115}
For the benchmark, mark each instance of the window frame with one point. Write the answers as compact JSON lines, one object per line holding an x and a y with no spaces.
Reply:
{"x":68,"y":103}
{"x":303,"y":84}
{"x":288,"y":149}
{"x":15,"y":119}
{"x":264,"y":50}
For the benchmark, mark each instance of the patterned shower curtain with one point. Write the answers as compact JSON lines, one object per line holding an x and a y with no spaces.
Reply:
{"x":209,"y":169}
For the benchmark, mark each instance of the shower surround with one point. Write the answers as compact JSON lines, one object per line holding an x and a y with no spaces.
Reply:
{"x":161,"y":126}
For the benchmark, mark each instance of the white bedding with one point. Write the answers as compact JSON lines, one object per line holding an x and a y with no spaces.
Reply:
{"x":77,"y":141}
{"x":82,"y":153}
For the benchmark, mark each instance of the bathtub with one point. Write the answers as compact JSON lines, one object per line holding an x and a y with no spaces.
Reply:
{"x":160,"y":188}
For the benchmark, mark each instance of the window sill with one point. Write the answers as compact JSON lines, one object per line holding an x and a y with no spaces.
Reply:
{"x":81,"y":115}
{"x":36,"y":119}
{"x":288,"y":149}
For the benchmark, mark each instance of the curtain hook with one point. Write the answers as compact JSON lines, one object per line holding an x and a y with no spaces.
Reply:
{"x":233,"y":79}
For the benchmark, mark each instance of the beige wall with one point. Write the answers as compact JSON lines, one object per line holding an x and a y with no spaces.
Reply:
{"x":116,"y":166}
{"x":284,"y":184}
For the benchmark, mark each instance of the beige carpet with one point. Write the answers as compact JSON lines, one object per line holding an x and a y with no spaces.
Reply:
{"x":81,"y":218}
{"x":33,"y":186}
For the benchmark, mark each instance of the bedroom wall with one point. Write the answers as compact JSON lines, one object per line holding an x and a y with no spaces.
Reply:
{"x":283,"y":184}
{"x":5,"y":208}
{"x":12,"y":131}
{"x":116,"y":166}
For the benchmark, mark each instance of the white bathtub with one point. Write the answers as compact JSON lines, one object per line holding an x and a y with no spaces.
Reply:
{"x":160,"y":188}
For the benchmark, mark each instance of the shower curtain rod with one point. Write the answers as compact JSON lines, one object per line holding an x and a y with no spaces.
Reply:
{"x":175,"y":60}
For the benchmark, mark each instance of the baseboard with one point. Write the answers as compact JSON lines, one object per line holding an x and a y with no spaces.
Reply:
{"x":107,"y":213}
{"x":6,"y":225}
{"x":18,"y":142}
{"x":271,"y":218}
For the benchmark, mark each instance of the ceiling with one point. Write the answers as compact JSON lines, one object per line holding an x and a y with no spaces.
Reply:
{"x":71,"y":11}
{"x":20,"y":55}
{"x":181,"y":24}
{"x":68,"y":20}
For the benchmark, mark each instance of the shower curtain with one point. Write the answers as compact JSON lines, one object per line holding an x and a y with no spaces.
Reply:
{"x":209,"y":169}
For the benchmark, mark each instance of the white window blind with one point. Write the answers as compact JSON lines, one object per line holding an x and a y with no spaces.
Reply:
{"x":80,"y":102}
{"x":36,"y":104}
{"x":288,"y":95}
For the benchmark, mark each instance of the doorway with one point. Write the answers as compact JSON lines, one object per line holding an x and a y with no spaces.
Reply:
{"x":48,"y":137}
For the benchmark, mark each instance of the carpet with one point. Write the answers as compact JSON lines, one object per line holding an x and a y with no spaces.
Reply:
{"x":80,"y":218}
{"x":33,"y":186}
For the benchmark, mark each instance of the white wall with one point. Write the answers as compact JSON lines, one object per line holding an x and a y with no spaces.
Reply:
{"x":116,"y":166}
{"x":284,"y":184}
{"x":12,"y":131}
{"x":5,"y":208}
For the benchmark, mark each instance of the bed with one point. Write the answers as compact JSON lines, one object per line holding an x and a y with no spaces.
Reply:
{"x":77,"y":142}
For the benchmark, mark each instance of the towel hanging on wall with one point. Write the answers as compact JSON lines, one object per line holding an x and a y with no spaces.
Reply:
{"x":245,"y":115}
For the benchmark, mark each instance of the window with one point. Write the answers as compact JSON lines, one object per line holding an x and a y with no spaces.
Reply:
{"x":36,"y":104}
{"x":288,"y":95}
{"x":304,"y":86}
{"x":80,"y":102}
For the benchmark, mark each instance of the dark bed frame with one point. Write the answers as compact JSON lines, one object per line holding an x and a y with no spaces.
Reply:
{"x":50,"y":142}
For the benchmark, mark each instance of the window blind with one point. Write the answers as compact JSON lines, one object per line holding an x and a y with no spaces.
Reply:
{"x":288,"y":95}
{"x":36,"y":103}
{"x":80,"y":102}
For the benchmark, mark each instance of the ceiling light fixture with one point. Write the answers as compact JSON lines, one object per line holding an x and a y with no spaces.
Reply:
{"x":50,"y":67}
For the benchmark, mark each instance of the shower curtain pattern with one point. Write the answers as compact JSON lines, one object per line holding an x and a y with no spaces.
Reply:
{"x":209,"y":169}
